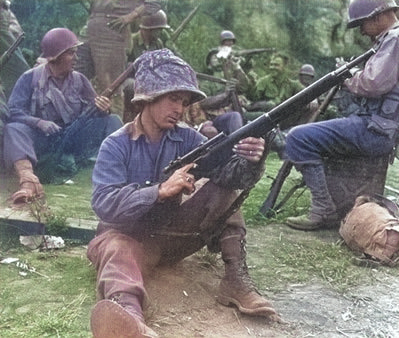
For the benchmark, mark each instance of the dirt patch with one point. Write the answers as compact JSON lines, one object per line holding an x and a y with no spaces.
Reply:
{"x":183,"y":304}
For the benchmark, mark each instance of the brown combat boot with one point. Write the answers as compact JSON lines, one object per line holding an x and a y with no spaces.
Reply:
{"x":30,"y":187}
{"x":314,"y":222}
{"x":119,"y":317}
{"x":323,"y":212}
{"x":237,"y":287}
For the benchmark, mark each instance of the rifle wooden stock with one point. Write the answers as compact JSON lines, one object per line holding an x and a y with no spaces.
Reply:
{"x":70,"y":131}
{"x":215,"y":151}
{"x":108,"y":92}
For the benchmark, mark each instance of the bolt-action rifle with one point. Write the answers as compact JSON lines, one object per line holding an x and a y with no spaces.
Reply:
{"x":8,"y":53}
{"x":217,"y":150}
{"x":226,"y":52}
{"x":268,"y":207}
{"x":67,"y":135}
{"x":251,"y":52}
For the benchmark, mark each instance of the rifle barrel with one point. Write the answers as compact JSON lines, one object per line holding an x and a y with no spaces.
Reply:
{"x":184,"y":23}
{"x":253,"y":51}
{"x":268,"y":121}
{"x":8,"y":53}
{"x":211,"y":78}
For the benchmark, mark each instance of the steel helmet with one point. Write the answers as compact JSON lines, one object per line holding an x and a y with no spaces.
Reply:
{"x":307,"y":69}
{"x":360,"y":10}
{"x":154,"y":21}
{"x":56,"y":41}
{"x":227,"y":35}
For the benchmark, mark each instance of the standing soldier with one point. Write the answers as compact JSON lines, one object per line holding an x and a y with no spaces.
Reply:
{"x":109,"y":33}
{"x":146,"y":39}
{"x":222,"y":63}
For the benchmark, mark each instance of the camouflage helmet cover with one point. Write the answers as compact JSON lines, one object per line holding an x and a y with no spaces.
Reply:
{"x":57,"y":41}
{"x":360,"y":10}
{"x":160,"y":72}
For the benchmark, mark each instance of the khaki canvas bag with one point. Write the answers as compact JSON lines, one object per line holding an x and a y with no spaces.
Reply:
{"x":372,"y":228}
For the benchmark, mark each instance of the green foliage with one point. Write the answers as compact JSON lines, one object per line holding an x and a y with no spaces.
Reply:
{"x":297,"y":258}
{"x":36,"y":17}
{"x":54,"y":302}
{"x":56,"y":225}
{"x":309,"y":30}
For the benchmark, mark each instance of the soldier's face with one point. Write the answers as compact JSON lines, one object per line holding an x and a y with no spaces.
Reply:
{"x":168,"y":109}
{"x":276,"y":64}
{"x":67,"y":60}
{"x":371,"y":27}
{"x":228,"y":42}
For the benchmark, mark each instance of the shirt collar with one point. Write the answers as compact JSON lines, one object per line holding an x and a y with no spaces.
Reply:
{"x":382,"y":34}
{"x":135,"y":130}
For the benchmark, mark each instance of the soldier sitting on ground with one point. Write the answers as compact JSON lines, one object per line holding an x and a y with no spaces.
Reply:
{"x":215,"y":114}
{"x":46,"y":101}
{"x":274,"y":88}
{"x":146,"y":222}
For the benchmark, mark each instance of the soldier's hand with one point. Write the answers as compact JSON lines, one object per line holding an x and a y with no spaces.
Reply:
{"x":339,"y":62}
{"x":120,"y":23}
{"x":181,"y":182}
{"x":231,"y":85}
{"x":103,"y":103}
{"x":250,"y":148}
{"x":48,"y":127}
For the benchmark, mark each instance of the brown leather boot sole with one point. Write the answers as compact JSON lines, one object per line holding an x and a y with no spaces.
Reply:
{"x":260,"y":305}
{"x":28,"y":191}
{"x":111,"y":320}
{"x":304,"y":223}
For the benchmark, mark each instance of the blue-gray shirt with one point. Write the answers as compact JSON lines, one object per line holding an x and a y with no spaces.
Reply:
{"x":126,"y":175}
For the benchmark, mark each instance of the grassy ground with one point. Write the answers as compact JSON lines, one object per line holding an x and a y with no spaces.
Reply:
{"x":49,"y":294}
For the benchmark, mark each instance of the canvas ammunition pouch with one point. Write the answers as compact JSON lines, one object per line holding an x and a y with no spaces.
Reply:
{"x":372,"y":228}
{"x":383,"y":113}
